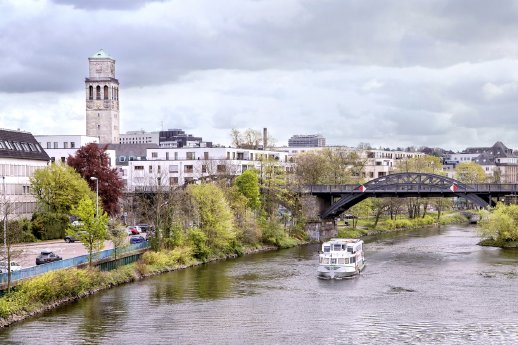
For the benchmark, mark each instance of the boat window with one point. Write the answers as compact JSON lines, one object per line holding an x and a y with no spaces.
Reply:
{"x":327,"y":249}
{"x":350,"y":249}
{"x":346,"y":261}
{"x":353,"y":260}
{"x":326,"y":261}
{"x":337,"y":247}
{"x":341,"y":261}
{"x":333,"y":261}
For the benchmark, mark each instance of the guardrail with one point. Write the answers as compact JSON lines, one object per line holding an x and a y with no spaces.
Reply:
{"x":67,"y":263}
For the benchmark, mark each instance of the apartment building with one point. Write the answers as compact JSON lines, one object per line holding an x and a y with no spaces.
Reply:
{"x":20,"y":156}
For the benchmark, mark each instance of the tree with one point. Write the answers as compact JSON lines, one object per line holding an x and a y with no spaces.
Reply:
{"x":248,"y":185}
{"x":361,"y":210}
{"x":58,"y":188}
{"x":119,"y":238}
{"x":13,"y":233}
{"x":92,"y":161}
{"x":214,"y":216}
{"x":502,"y":224}
{"x":470,"y":172}
{"x":92,"y":231}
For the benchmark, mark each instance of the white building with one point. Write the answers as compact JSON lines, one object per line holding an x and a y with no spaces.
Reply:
{"x":166,"y":167}
{"x":59,"y":147}
{"x":140,"y":137}
{"x":20,"y":156}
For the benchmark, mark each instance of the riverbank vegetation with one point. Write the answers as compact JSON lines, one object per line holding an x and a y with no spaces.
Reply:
{"x":499,"y":227}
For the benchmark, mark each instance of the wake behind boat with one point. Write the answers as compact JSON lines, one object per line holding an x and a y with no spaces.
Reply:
{"x":340,"y":258}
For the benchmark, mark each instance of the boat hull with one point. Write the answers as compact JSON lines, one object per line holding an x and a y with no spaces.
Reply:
{"x":338,"y":272}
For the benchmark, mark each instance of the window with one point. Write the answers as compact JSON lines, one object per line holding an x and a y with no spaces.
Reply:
{"x":173,"y":168}
{"x":122,"y":159}
{"x":91,"y":92}
{"x":154,"y":154}
{"x":63,"y":159}
{"x":65,"y":145}
{"x":139,"y":167}
{"x":187,"y":169}
{"x":105,"y":92}
{"x":49,"y":144}
{"x":72,"y":145}
{"x":159,"y":169}
{"x":205,"y":155}
{"x":176,"y":156}
{"x":204,"y":168}
{"x":167,"y":156}
{"x":221,"y":168}
{"x":150,"y":169}
{"x":98,"y":92}
{"x":173,"y":181}
{"x":55,"y":144}
{"x":190,"y":155}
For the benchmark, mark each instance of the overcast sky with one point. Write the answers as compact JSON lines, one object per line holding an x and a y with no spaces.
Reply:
{"x":389,"y":73}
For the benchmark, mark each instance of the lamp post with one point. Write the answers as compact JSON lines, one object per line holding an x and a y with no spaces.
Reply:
{"x":93,"y":178}
{"x":5,"y":216}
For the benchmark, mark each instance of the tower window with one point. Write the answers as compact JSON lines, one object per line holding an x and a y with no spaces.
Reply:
{"x":105,"y":92}
{"x":98,"y":92}
{"x":91,"y":92}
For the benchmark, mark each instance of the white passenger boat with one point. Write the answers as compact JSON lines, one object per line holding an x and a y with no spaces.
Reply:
{"x":340,"y":258}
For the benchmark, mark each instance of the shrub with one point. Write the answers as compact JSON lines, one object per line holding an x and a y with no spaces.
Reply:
{"x":49,"y":226}
{"x":198,"y":240}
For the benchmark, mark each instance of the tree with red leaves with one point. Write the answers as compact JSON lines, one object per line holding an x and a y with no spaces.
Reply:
{"x":92,"y":161}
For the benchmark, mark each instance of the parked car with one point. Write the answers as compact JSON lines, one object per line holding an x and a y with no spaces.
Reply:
{"x":137,"y":239}
{"x":14,"y":267}
{"x":144,"y":227}
{"x":47,"y":256}
{"x":70,"y":239}
{"x":133,"y":230}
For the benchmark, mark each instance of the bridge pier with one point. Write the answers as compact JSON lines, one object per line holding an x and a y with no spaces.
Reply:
{"x":321,"y":230}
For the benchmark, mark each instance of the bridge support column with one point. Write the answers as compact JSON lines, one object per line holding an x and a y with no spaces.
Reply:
{"x":321,"y":230}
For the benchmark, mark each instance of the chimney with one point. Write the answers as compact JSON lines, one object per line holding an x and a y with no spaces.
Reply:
{"x":265,"y":138}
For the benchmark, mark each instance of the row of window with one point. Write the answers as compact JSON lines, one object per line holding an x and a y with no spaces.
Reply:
{"x":19,"y":146}
{"x":15,"y":189}
{"x":105,"y":95}
{"x":55,"y":145}
{"x":17,"y":170}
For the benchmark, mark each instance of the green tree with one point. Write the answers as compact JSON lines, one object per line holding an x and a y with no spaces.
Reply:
{"x":501,"y":224}
{"x":248,"y":184}
{"x":92,"y":231}
{"x":214,"y":216}
{"x":470,"y":172}
{"x":361,"y":210}
{"x":58,"y":188}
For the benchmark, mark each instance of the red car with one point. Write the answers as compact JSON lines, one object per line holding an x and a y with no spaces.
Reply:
{"x":133,"y":230}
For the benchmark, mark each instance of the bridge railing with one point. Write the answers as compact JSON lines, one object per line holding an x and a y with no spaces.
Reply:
{"x":353,"y":188}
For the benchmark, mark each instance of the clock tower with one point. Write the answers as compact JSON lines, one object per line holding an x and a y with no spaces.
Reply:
{"x":102,"y":99}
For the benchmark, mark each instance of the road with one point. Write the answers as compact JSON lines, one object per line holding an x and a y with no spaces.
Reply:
{"x":26,"y":253}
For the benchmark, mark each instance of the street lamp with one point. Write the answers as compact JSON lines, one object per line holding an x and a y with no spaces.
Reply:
{"x":93,"y":178}
{"x":5,"y":217}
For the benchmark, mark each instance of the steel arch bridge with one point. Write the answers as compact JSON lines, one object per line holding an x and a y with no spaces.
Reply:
{"x":403,"y":185}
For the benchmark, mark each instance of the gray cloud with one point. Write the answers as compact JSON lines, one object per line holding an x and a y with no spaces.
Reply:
{"x":392,"y":73}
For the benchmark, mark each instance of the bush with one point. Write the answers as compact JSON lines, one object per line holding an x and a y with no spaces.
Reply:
{"x":198,"y":240}
{"x":49,"y":226}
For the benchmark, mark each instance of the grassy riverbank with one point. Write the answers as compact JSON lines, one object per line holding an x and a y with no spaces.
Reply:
{"x":53,"y":289}
{"x":385,"y":224}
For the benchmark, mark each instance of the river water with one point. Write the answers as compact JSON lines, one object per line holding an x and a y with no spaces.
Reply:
{"x":433,"y":286}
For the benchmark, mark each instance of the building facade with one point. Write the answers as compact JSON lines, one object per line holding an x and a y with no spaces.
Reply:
{"x":20,"y":156}
{"x":310,"y":140}
{"x":102,"y":99}
{"x":59,"y":147}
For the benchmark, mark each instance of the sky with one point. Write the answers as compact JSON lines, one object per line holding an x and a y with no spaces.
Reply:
{"x":388,"y":73}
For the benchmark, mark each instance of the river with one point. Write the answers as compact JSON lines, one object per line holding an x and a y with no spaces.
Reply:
{"x":433,"y":286}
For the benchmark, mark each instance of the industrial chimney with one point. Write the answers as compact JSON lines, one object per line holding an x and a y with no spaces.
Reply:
{"x":265,"y":138}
